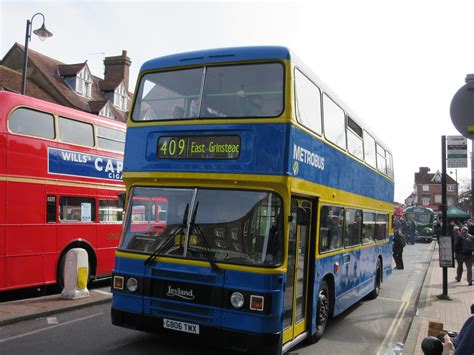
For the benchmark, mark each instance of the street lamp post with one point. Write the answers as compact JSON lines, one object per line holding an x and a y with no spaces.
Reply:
{"x":42,"y":33}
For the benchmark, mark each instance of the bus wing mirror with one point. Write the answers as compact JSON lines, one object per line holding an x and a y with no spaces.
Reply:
{"x":302,"y":216}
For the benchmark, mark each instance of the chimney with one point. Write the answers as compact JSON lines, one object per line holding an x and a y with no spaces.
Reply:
{"x":424,"y":170}
{"x":117,"y":68}
{"x":419,"y":175}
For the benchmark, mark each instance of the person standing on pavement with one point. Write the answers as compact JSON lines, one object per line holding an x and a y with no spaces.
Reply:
{"x":464,"y":248}
{"x":456,"y":234}
{"x":398,"y":245}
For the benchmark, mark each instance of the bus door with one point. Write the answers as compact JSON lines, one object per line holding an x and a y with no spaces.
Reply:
{"x":296,"y":300}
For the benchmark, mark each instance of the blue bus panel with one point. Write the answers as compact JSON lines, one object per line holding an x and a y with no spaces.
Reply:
{"x":262,"y":151}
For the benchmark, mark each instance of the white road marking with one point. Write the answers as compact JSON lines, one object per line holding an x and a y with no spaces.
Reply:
{"x":48,"y":328}
{"x":102,"y":292}
{"x":389,"y":338}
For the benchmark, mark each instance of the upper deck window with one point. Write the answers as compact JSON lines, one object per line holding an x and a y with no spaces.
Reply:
{"x":75,"y":132}
{"x":110,"y":139}
{"x":334,"y":122}
{"x":232,"y":91}
{"x":308,"y":102}
{"x":32,"y":123}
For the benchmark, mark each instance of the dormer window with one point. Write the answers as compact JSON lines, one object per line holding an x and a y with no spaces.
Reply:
{"x":84,"y":82}
{"x":106,"y":112}
{"x":120,"y":97}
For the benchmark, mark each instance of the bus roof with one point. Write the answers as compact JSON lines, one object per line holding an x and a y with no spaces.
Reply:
{"x":235,"y":54}
{"x":12,"y":100}
{"x":218,"y":55}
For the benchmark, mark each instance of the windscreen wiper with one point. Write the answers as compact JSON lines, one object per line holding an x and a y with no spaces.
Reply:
{"x":165,"y":242}
{"x":200,"y":234}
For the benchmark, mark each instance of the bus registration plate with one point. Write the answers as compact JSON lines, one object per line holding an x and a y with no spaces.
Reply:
{"x":181,"y":326}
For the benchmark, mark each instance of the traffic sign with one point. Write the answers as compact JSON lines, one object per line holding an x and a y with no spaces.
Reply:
{"x":462,"y":108}
{"x":457,"y":151}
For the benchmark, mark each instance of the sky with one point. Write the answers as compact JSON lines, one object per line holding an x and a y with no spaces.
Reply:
{"x":396,"y":64}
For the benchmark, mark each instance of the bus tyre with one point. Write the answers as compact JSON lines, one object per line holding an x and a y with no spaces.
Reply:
{"x":378,"y":281}
{"x":322,"y":312}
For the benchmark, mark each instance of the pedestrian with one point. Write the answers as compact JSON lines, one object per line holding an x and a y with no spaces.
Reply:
{"x":463,"y":248}
{"x":397,"y":249}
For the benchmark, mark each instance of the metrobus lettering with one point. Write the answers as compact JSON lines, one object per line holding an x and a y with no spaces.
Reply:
{"x":307,"y":157}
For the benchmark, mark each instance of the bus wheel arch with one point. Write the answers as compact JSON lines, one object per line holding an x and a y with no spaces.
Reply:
{"x":324,"y":306}
{"x":92,"y":258}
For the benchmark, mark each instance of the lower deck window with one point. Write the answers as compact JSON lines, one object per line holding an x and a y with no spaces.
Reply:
{"x":76,"y":209}
{"x":110,"y":211}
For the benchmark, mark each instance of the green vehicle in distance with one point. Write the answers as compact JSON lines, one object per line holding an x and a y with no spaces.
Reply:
{"x":424,"y":218}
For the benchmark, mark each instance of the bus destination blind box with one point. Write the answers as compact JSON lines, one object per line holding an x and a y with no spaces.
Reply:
{"x":199,"y":147}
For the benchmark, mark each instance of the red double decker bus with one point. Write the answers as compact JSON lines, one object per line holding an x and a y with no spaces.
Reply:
{"x":60,"y":180}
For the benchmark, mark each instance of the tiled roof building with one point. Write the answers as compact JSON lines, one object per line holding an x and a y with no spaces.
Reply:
{"x":70,"y":85}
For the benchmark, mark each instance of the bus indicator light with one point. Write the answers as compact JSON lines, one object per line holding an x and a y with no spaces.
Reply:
{"x":118,"y":282}
{"x":256,"y":303}
{"x":336,"y":267}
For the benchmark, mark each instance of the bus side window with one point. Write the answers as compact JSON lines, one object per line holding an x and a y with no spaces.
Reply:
{"x":368,"y":230}
{"x":331,"y":231}
{"x":353,"y":227}
{"x":381,"y":226}
{"x":76,"y":209}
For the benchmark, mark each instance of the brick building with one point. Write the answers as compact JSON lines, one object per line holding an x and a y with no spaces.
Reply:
{"x":428,"y":190}
{"x":70,"y":85}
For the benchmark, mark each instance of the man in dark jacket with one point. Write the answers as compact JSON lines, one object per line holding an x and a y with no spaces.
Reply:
{"x":464,"y":255}
{"x":398,"y":245}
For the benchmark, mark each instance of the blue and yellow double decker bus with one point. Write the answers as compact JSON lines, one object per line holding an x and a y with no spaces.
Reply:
{"x":258,"y":205}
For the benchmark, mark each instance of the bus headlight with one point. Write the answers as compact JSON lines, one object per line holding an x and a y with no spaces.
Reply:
{"x":237,"y":300}
{"x":132,"y":284}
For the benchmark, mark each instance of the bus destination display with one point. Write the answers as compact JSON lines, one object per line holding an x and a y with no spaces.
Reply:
{"x":199,"y":147}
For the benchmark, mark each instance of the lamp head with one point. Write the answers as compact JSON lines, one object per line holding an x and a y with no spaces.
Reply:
{"x":43,"y":33}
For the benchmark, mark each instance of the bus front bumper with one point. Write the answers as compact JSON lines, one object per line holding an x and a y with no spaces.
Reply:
{"x":240,"y":341}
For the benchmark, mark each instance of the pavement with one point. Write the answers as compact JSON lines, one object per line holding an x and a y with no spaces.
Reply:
{"x":452,"y":313}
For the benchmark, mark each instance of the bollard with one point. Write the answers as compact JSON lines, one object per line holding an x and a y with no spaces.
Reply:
{"x":75,"y":274}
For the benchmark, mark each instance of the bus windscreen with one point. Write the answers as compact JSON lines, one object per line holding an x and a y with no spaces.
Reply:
{"x":232,"y":91}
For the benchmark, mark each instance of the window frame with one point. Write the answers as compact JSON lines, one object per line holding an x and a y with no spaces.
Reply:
{"x":91,"y":125}
{"x":84,"y":82}
{"x":344,"y":139}
{"x":26,"y":108}
{"x":297,"y":111}
{"x":351,"y":131}
{"x":93,"y":201}
{"x":204,"y":68}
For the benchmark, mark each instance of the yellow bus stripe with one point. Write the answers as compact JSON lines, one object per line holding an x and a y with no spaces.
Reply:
{"x":203,"y":263}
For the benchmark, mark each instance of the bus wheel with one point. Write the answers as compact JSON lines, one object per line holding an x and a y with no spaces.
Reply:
{"x":322,"y":312}
{"x":378,"y":281}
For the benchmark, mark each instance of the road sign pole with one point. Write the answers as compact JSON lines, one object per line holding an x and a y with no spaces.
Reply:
{"x":444,"y":206}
